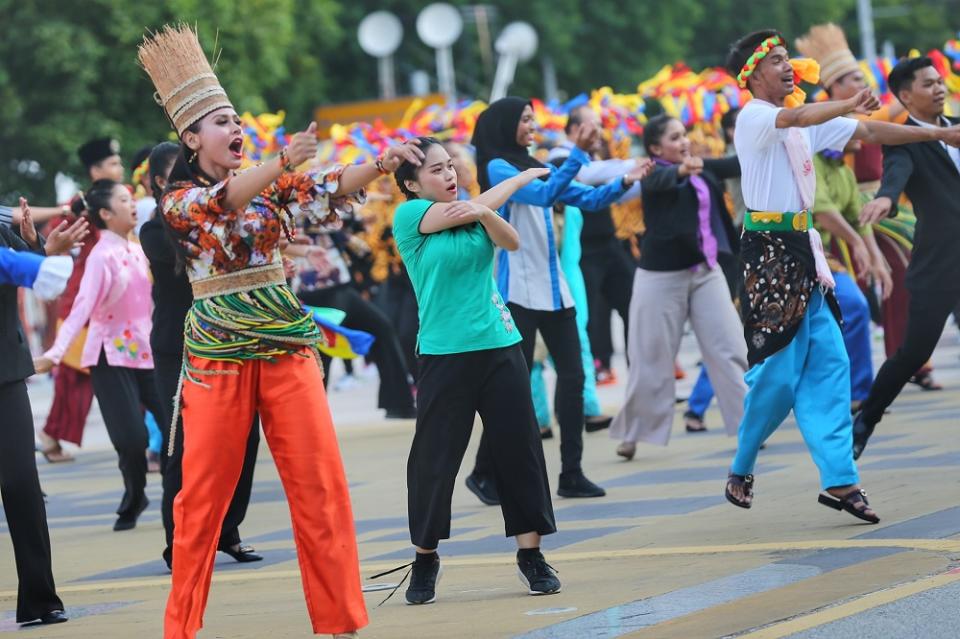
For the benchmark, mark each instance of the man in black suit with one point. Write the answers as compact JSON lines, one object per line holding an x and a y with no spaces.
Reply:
{"x":929,"y":174}
{"x":19,"y":483}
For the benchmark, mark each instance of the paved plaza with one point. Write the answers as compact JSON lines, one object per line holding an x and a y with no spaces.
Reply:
{"x":662,"y":556}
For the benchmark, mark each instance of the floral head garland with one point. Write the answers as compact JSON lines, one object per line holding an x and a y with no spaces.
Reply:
{"x":758,"y":54}
{"x":805,"y":69}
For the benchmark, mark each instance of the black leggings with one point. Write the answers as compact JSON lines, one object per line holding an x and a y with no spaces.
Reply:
{"x":452,"y":390}
{"x":559,"y":331}
{"x":122,"y":393}
{"x":926,"y":316}
{"x":23,"y":505}
{"x":167,"y":375}
{"x":395,"y":393}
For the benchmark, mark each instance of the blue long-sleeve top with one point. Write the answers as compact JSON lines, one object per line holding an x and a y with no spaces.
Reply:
{"x":531,"y":277}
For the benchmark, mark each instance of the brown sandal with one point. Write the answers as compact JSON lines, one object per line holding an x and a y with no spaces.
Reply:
{"x":55,"y":455}
{"x":745,"y":482}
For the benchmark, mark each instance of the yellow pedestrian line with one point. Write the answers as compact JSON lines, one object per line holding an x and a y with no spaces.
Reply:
{"x":834,"y":613}
{"x":932,"y":545}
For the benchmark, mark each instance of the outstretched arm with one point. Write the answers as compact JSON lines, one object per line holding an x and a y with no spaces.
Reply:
{"x":877,"y":132}
{"x":806,"y":115}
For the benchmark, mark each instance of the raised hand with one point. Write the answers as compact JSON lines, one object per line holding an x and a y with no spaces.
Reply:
{"x":641,"y":169}
{"x":394,"y":156}
{"x":27,"y":230}
{"x":66,"y":236}
{"x":303,"y":145}
{"x":875,"y":210}
{"x":691,"y":165}
{"x":586,"y":137}
{"x":865,"y":102}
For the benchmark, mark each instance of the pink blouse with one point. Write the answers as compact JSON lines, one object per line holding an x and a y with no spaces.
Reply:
{"x":114,"y":297}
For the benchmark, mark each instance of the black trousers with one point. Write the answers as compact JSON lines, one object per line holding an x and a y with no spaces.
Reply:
{"x":121,"y":394}
{"x":559,"y":331}
{"x":926,"y":316}
{"x":401,"y":307}
{"x":453,"y":389}
{"x":608,"y":274}
{"x":23,"y":505}
{"x":167,"y":369}
{"x":395,"y":393}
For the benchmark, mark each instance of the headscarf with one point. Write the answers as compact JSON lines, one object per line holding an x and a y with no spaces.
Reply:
{"x":495,"y":136}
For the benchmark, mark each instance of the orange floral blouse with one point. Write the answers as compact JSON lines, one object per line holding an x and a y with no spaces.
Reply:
{"x":218,"y":240}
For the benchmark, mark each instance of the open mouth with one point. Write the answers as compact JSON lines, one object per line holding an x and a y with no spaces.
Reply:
{"x":452,"y":188}
{"x":236,"y":148}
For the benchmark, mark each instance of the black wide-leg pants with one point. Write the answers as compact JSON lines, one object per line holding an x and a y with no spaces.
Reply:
{"x":23,"y":505}
{"x":452,"y":390}
{"x":121,"y":394}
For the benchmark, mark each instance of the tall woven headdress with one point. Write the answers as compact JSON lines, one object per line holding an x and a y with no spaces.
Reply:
{"x":827,"y":44}
{"x":187,"y":88}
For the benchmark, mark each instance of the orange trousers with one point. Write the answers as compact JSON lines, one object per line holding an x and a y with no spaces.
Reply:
{"x":289,"y":396}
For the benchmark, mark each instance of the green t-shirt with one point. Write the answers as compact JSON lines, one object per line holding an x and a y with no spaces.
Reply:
{"x":452,"y":275}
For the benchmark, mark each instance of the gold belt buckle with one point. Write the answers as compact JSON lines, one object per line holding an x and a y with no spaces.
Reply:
{"x":766,"y":218}
{"x":800,"y":221}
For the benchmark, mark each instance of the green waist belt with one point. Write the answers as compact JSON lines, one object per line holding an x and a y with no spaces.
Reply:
{"x":777,"y":221}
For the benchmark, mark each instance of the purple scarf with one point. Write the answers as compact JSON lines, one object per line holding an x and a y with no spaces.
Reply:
{"x":708,"y":241}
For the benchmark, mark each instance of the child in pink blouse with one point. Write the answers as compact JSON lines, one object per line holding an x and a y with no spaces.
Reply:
{"x":114,"y":297}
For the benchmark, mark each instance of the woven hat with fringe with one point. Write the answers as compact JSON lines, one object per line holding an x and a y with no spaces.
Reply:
{"x":827,"y":44}
{"x":187,"y":87}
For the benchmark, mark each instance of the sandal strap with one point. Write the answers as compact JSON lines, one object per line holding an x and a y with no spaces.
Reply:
{"x":855,"y":497}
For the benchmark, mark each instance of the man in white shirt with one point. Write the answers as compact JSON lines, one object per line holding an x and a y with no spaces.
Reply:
{"x":791,"y":319}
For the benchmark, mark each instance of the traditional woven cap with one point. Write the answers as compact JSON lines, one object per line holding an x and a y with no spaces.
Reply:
{"x":187,"y":87}
{"x":827,"y":44}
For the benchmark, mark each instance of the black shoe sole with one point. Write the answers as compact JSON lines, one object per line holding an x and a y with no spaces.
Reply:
{"x":575,"y":494}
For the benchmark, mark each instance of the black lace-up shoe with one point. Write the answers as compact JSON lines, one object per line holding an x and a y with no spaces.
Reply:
{"x":536,"y":574}
{"x":424,"y":577}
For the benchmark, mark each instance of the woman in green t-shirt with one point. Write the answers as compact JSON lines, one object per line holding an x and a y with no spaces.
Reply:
{"x":470,"y":362}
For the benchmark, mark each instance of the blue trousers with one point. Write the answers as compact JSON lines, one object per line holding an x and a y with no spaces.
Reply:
{"x":856,"y":334}
{"x":811,"y":375}
{"x":702,"y":393}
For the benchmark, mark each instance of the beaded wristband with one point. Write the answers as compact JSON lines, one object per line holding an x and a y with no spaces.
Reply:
{"x":285,"y":163}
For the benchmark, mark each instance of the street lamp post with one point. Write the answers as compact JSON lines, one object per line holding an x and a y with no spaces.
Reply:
{"x":517,"y":43}
{"x":439,"y":25}
{"x":379,"y":34}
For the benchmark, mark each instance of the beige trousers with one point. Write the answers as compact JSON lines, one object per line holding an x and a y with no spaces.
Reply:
{"x":661,"y":303}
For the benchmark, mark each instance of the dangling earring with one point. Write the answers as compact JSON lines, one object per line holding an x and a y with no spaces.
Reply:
{"x":193,"y":157}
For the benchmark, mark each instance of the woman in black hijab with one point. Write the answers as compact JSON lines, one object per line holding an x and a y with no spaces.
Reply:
{"x":531,"y":280}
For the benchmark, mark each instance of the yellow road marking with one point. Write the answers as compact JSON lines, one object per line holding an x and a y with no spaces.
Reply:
{"x":932,"y":545}
{"x":873,"y":600}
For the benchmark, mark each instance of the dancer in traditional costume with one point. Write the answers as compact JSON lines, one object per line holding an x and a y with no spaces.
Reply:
{"x":791,"y":318}
{"x":72,"y":388}
{"x":114,"y":297}
{"x":250,"y":347}
{"x":470,"y":362}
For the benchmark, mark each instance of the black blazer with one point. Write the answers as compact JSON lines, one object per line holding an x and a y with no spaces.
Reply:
{"x":172,"y":294}
{"x":17,"y":362}
{"x":928,"y":176}
{"x":671,"y":241}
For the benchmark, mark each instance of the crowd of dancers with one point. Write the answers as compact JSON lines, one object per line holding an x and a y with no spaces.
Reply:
{"x":183,"y":308}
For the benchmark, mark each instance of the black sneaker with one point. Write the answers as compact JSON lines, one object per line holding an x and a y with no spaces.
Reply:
{"x":597,"y":423}
{"x":424,"y":577}
{"x":537,"y":575}
{"x":484,"y":488}
{"x":406,"y":413}
{"x":576,"y":485}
